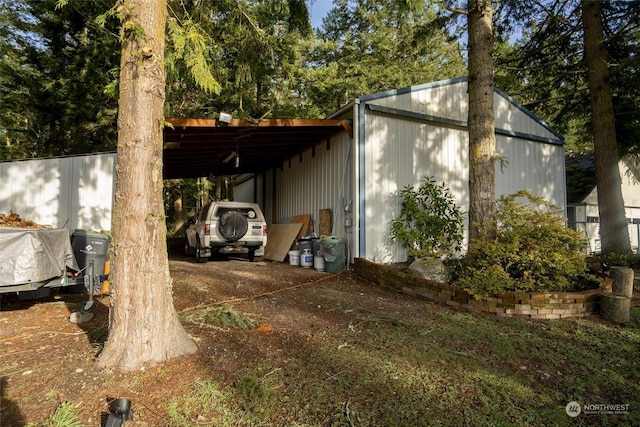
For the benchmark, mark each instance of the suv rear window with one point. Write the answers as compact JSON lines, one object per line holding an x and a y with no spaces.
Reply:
{"x":249,"y":212}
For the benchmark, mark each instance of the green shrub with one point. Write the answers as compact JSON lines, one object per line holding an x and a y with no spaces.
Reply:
{"x":632,"y":261}
{"x":533,"y":251}
{"x":430,"y":223}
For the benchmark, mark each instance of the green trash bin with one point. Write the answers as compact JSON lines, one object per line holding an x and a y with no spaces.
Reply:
{"x":333,"y":250}
{"x":89,"y":246}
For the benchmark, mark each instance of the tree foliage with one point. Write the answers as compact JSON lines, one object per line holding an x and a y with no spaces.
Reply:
{"x":533,"y":250}
{"x":54,"y":67}
{"x":546,"y":69}
{"x":367,"y":46}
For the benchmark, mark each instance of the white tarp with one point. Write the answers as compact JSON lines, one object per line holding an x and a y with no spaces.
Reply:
{"x":31,"y":255}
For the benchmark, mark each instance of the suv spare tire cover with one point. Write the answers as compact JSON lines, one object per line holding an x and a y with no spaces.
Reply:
{"x":233,"y":226}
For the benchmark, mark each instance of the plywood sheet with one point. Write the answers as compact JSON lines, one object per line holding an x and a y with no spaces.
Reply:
{"x":305,"y":220}
{"x":280,"y":239}
{"x":325,"y":228}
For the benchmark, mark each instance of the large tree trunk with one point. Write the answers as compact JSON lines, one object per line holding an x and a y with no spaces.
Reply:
{"x":481,"y":120}
{"x":144,"y":327}
{"x":614,"y":233}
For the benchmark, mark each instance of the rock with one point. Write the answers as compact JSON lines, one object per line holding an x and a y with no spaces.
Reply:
{"x":77,"y":317}
{"x":430,"y":269}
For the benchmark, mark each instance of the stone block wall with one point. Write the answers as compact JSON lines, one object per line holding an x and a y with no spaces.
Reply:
{"x":548,"y":305}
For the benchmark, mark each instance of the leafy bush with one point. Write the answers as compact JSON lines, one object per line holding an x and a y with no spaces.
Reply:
{"x":533,"y":251}
{"x":430,"y":223}
{"x":632,"y":261}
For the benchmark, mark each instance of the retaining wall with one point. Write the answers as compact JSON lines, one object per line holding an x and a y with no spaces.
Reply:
{"x":547,"y":305}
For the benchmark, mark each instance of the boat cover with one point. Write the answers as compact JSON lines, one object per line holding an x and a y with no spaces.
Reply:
{"x":31,"y":255}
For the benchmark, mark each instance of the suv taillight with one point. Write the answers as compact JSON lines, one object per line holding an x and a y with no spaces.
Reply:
{"x":264,"y":230}
{"x":207,"y":229}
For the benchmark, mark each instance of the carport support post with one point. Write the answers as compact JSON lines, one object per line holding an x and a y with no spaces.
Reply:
{"x":274,"y":210}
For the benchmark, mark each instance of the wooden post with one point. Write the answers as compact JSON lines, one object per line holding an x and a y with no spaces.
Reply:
{"x":622,"y":281}
{"x":615,"y":308}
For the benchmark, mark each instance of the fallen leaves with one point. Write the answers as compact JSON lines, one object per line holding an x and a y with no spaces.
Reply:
{"x":14,"y":220}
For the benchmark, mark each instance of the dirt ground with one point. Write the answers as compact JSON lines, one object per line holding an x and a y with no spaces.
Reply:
{"x":46,"y":360}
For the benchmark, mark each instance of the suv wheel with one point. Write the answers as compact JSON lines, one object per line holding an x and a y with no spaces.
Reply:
{"x":199,"y":257}
{"x":188,"y":250}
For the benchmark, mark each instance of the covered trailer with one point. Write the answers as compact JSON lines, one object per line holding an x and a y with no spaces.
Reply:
{"x":34,"y":260}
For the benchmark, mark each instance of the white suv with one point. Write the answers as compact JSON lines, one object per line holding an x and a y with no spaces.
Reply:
{"x":227,"y":227}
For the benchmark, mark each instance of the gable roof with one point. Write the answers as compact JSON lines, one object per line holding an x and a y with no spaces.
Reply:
{"x":377,"y":101}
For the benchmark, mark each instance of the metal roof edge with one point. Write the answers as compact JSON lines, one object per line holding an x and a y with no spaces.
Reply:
{"x":410,"y":89}
{"x":62,"y":156}
{"x":342,"y":110}
{"x":530,"y":114}
{"x":440,"y":83}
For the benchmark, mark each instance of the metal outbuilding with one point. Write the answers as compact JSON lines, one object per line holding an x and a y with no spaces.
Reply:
{"x":583,"y":213}
{"x":400,"y":137}
{"x":355,"y":163}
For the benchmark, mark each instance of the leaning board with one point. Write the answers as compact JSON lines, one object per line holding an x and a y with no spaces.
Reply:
{"x":305,"y":220}
{"x":280,"y":239}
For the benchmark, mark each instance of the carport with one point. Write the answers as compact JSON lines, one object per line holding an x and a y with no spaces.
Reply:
{"x":201,"y":147}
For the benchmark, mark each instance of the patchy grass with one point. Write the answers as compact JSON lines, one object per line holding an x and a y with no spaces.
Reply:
{"x":219,"y":316}
{"x":446,"y":369}
{"x":65,"y":415}
{"x":339,"y":351}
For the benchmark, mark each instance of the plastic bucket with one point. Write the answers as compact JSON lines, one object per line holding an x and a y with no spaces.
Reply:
{"x":294,"y":257}
{"x":305,"y":244}
{"x":315,"y":243}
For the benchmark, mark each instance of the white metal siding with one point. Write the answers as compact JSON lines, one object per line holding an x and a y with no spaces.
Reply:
{"x":532,"y":166}
{"x":509,"y":117}
{"x":64,"y":192}
{"x":401,"y":151}
{"x":312,"y":183}
{"x":243,"y":192}
{"x":448,"y":101}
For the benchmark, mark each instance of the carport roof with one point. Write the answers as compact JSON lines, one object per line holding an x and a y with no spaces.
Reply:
{"x":199,"y":147}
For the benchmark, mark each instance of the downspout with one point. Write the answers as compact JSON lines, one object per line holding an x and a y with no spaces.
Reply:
{"x":362,"y":205}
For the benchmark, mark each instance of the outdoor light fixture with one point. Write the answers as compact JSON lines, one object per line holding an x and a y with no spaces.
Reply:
{"x":123,"y":412}
{"x":224,"y":118}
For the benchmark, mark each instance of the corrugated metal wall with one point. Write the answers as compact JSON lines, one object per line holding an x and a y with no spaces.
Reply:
{"x":400,"y":150}
{"x":309,"y":183}
{"x":63,"y":192}
{"x":533,"y":166}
